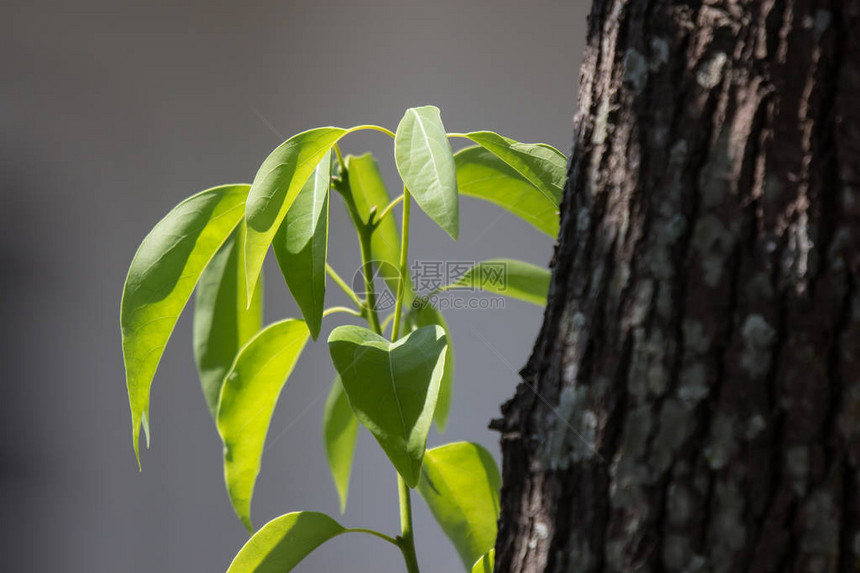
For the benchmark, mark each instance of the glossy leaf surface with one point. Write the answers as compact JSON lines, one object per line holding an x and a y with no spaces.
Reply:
{"x":423,"y":315}
{"x":301,"y":244}
{"x":340,"y":432}
{"x":507,"y":277}
{"x":223,"y":320}
{"x":392,"y":388}
{"x":485,"y":564}
{"x":283,"y":542}
{"x":276,"y":186}
{"x":160,"y":281}
{"x":248,"y":398}
{"x":461,"y":484}
{"x":368,"y":190}
{"x":483,"y":175}
{"x":426,"y":165}
{"x":543,"y":165}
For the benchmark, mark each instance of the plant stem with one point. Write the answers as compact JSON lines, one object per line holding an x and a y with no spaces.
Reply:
{"x":404,"y":266}
{"x":406,"y":540}
{"x":346,"y":309}
{"x":374,"y":533}
{"x":387,"y":210}
{"x":343,"y":286}
{"x":378,"y":128}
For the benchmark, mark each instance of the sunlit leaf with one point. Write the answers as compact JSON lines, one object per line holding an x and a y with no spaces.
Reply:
{"x":368,"y":190}
{"x":507,"y":277}
{"x":223,"y":321}
{"x":461,"y":484}
{"x":392,"y":387}
{"x":301,"y":244}
{"x":485,"y":564}
{"x":276,"y":185}
{"x":426,"y":165}
{"x":340,"y":431}
{"x":543,"y":165}
{"x":422,"y":315}
{"x":483,"y":175}
{"x":160,"y":281}
{"x":283,"y":542}
{"x":248,"y":398}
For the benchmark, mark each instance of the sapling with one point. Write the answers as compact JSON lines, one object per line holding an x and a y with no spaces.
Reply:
{"x":396,"y":384}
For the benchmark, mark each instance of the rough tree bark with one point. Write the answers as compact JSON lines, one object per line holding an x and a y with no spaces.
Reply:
{"x":693,"y":400}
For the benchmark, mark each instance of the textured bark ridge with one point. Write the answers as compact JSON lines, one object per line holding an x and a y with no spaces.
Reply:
{"x":693,"y":399}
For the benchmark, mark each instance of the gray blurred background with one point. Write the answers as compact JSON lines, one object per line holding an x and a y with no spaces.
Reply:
{"x":113,"y":112}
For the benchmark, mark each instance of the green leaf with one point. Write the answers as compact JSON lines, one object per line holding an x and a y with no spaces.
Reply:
{"x":423,"y":315}
{"x":507,"y":277}
{"x":283,"y":542}
{"x":223,"y":321}
{"x":368,"y":190}
{"x":426,"y":165}
{"x":301,"y":244}
{"x":460,"y":483}
{"x":483,"y":175}
{"x":340,"y":430}
{"x":392,"y":388}
{"x":485,"y":564}
{"x":160,"y":281}
{"x":543,"y":165}
{"x":248,"y":398}
{"x":276,"y":185}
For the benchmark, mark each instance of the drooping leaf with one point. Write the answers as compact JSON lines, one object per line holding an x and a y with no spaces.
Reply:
{"x":340,"y":431}
{"x":483,"y":175}
{"x":276,"y":185}
{"x":283,"y":542}
{"x":392,"y":387}
{"x":507,"y":277}
{"x":248,"y":398}
{"x":543,"y":165}
{"x":223,"y":321}
{"x":423,"y":314}
{"x":160,"y":281}
{"x":368,"y":190}
{"x":426,"y":165}
{"x":485,"y":564}
{"x":461,"y":484}
{"x":301,"y":244}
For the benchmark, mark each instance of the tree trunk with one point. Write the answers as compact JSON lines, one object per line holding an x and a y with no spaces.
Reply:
{"x":693,"y":400}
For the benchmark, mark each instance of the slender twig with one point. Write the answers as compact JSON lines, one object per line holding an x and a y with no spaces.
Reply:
{"x":404,"y":266}
{"x":406,"y":540}
{"x":343,"y":286}
{"x":346,"y":309}
{"x":374,"y":533}
{"x":387,"y":210}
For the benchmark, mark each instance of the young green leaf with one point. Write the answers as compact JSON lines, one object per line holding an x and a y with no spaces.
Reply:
{"x":426,"y":165}
{"x":483,"y":175}
{"x":223,"y":321}
{"x":485,"y":564}
{"x":368,"y":190}
{"x":283,"y":542}
{"x":160,"y":281}
{"x":543,"y":165}
{"x":507,"y":277}
{"x":460,"y":483}
{"x":301,"y":244}
{"x":276,"y":185}
{"x":392,"y":388}
{"x":340,"y":431}
{"x":248,"y":398}
{"x":423,"y":315}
